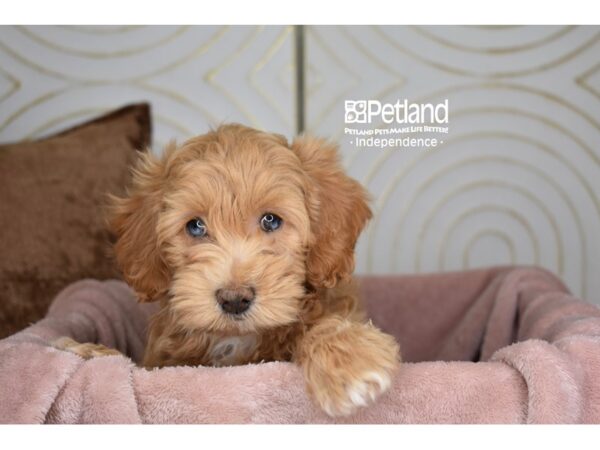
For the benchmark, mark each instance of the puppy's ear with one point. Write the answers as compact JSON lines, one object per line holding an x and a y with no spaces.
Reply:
{"x":134,"y":219}
{"x":338,"y":209}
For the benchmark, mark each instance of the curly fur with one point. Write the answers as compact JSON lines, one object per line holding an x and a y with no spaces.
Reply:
{"x":306,"y":307}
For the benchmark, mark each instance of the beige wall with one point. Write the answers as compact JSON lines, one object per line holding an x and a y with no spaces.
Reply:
{"x":53,"y":76}
{"x":517,"y":181}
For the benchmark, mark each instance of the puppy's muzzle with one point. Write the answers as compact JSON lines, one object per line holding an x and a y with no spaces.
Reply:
{"x":235,"y":301}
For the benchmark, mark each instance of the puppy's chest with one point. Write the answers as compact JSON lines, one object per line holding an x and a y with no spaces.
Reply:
{"x":231,"y":351}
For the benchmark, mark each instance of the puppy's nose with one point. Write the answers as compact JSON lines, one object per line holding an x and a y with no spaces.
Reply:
{"x":235,"y":300}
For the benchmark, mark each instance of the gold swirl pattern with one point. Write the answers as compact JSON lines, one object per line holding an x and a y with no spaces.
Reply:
{"x":557,"y":189}
{"x":101,"y":29}
{"x":354,"y":78}
{"x":586,"y":44}
{"x":507,"y":213}
{"x":31,"y":33}
{"x":524,"y":124}
{"x":559,"y":245}
{"x":524,"y":121}
{"x":13,"y":85}
{"x":52,"y":82}
{"x":551,"y":36}
{"x":504,"y":237}
{"x":583,"y":80}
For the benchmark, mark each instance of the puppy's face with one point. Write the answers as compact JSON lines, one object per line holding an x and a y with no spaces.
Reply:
{"x":234,"y":225}
{"x":234,"y":229}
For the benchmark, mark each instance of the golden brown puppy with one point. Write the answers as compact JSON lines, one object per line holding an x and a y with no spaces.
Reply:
{"x":248,"y":244}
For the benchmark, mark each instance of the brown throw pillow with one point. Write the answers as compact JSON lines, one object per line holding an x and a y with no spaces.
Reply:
{"x":53,"y":195}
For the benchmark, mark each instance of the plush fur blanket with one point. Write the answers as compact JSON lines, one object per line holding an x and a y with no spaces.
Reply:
{"x":501,"y":345}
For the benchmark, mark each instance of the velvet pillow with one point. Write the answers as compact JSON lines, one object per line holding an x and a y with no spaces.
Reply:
{"x":53,"y":195}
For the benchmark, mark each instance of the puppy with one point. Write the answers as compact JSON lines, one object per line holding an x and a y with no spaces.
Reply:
{"x":248,"y":244}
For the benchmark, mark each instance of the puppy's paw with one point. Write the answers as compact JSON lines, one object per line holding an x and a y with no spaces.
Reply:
{"x":367,"y":387}
{"x":348,"y":365}
{"x":353,"y":393}
{"x":86,"y":351}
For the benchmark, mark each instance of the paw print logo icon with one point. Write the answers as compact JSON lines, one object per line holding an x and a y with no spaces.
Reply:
{"x":356,"y":111}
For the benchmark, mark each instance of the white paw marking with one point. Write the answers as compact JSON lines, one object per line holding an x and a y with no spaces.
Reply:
{"x":362,"y":392}
{"x":358,"y":393}
{"x":339,"y":409}
{"x":382,"y":379}
{"x":368,"y":388}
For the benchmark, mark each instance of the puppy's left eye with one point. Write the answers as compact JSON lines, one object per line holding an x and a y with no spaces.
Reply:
{"x":270,"y":222}
{"x":196,"y":228}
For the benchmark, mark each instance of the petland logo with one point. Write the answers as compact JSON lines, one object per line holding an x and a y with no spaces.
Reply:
{"x":402,"y":125}
{"x":366,"y":111}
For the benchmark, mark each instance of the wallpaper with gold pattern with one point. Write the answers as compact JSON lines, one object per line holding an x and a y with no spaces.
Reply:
{"x":517,"y":181}
{"x":194,"y":76}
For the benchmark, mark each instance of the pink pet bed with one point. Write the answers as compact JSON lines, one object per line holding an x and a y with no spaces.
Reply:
{"x":501,"y":345}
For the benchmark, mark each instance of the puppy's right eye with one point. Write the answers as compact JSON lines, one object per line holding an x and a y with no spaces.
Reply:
{"x":196,"y":228}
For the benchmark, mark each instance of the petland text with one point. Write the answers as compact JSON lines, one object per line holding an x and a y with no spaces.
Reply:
{"x":366,"y":111}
